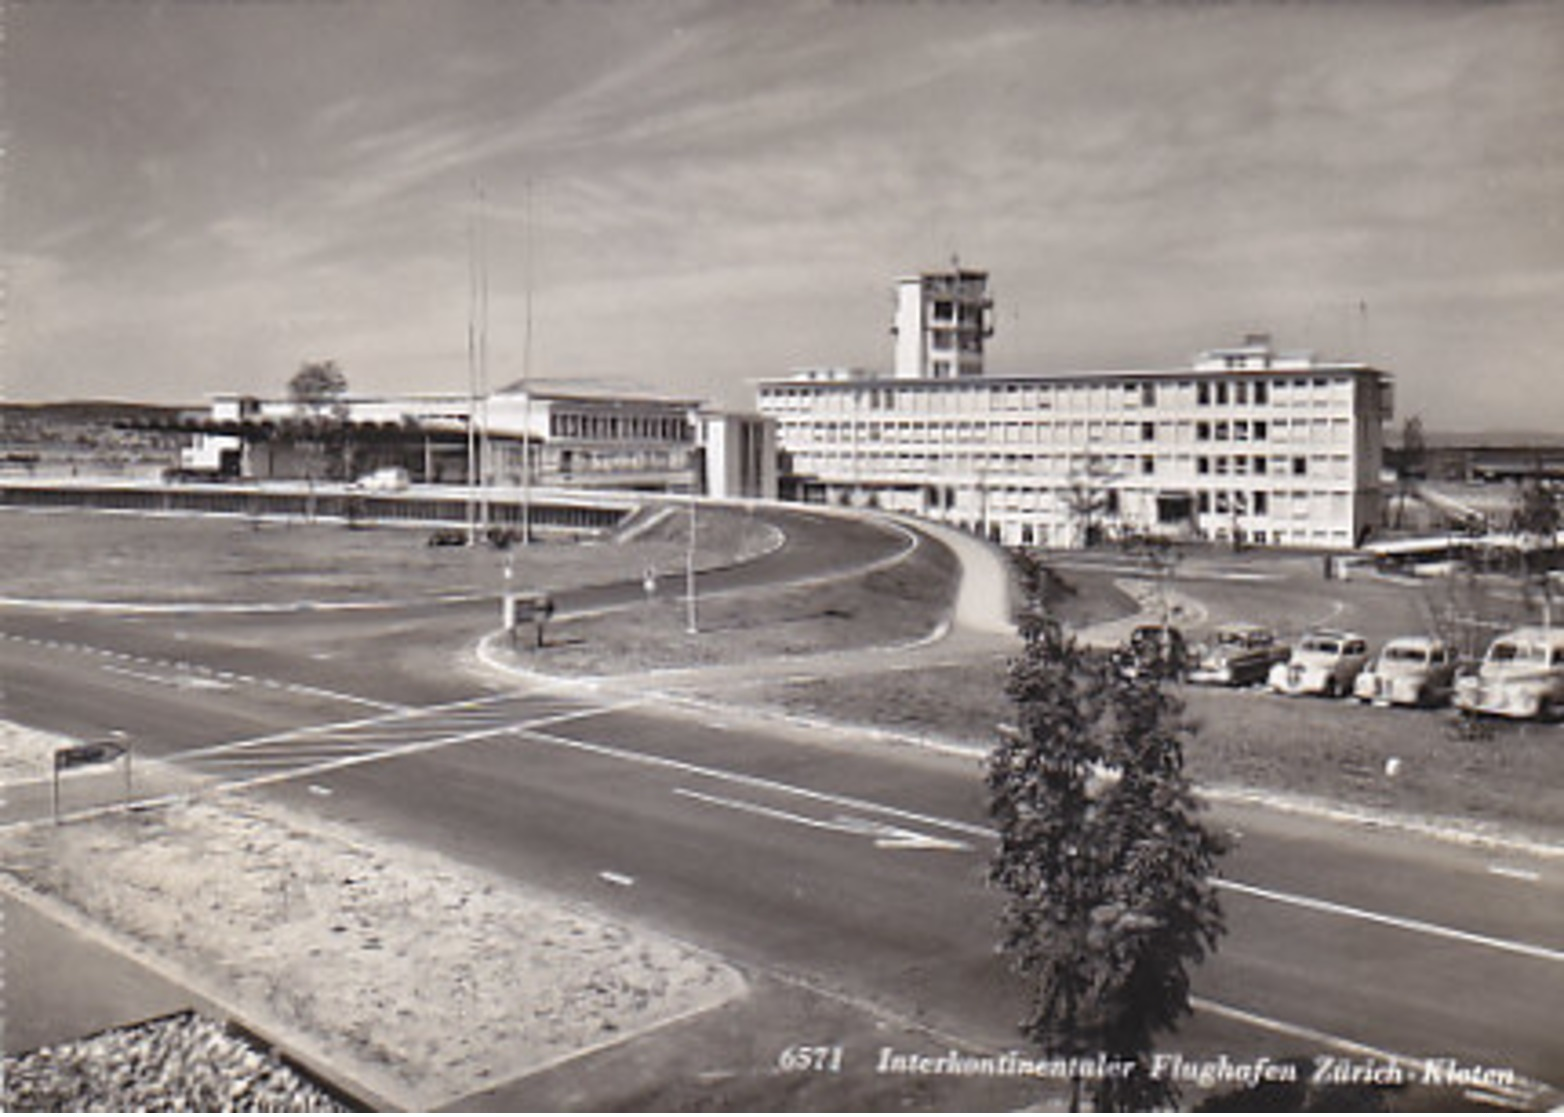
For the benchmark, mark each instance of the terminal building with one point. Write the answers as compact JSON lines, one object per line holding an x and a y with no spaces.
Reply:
{"x":557,"y":438}
{"x":1246,"y":444}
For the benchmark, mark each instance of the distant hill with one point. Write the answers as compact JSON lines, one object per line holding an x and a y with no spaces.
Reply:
{"x":1440,"y":440}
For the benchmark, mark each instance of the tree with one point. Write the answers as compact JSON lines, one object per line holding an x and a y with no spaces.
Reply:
{"x":1105,"y":864}
{"x":1089,"y":497}
{"x":1536,"y":520}
{"x":317,"y":390}
{"x":1410,"y":462}
{"x":319,"y":385}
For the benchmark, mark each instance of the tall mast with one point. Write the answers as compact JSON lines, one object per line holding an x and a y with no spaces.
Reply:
{"x":526,"y":385}
{"x":483,"y":362}
{"x":472,"y":375}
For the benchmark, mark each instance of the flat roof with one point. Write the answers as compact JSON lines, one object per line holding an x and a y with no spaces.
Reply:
{"x":1021,"y":379}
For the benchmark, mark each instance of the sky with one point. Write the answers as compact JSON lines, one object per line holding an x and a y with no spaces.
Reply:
{"x":686,"y":197}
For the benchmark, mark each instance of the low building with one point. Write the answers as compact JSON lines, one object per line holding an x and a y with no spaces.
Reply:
{"x":541,"y":436}
{"x":1246,"y":444}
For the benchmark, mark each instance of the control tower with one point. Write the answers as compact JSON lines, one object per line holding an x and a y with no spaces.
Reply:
{"x":942,"y":319}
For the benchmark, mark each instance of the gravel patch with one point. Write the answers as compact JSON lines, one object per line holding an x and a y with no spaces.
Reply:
{"x":419,"y":977}
{"x":179,"y":1064}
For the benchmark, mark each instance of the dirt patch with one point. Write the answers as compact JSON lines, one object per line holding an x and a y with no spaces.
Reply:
{"x":419,"y":976}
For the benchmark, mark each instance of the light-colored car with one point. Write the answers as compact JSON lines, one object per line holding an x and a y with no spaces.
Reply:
{"x":1522,"y":676}
{"x":1409,"y":671}
{"x":392,"y":479}
{"x":1237,"y":655}
{"x":1324,"y":662}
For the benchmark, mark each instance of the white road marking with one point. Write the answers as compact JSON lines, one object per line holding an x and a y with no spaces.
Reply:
{"x":655,"y":761}
{"x":1525,"y":1089}
{"x":1298,"y":1031}
{"x":189,"y":681}
{"x":620,"y":879}
{"x":1308,"y":902}
{"x":1402,"y":923}
{"x":1516,"y":874}
{"x":885,"y":837}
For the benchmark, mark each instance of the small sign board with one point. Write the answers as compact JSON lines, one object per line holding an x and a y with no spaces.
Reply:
{"x":80,"y":756}
{"x":86,"y":755}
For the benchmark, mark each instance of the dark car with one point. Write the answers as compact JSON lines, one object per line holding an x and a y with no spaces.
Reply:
{"x":1155,"y":651}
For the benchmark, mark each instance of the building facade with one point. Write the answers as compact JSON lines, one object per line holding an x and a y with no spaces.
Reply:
{"x":1246,"y":444}
{"x":739,"y":456}
{"x":517,"y":436}
{"x":942,"y":320}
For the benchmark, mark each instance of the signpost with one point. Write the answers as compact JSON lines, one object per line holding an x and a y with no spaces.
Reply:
{"x":527,"y":608}
{"x":90,"y":754}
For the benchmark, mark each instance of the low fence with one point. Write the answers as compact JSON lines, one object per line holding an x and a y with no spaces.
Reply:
{"x":551,"y":512}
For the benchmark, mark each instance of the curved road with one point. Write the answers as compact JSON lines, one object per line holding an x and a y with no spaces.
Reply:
{"x":848,"y":873}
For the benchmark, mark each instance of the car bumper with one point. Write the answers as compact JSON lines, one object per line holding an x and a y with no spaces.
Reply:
{"x":1499,"y":701}
{"x":1391,"y":691}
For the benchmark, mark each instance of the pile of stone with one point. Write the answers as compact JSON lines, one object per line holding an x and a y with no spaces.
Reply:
{"x":183,"y":1063}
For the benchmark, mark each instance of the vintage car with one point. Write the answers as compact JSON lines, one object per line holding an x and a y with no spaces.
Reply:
{"x":1324,"y":662}
{"x":1409,"y":671}
{"x":1522,"y":676}
{"x":1238,"y":655}
{"x":1153,"y":650}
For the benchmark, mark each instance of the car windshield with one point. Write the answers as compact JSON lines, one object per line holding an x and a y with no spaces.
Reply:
{"x":1509,"y":651}
{"x":1406,"y":655}
{"x":1238,"y":639}
{"x":1326,"y":647}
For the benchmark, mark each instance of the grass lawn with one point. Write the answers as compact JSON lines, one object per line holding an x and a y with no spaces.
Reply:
{"x":899,"y":604}
{"x":64,"y":556}
{"x":1332,"y":750}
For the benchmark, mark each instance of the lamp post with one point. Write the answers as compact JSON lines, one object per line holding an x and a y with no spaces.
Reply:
{"x":690,"y":625}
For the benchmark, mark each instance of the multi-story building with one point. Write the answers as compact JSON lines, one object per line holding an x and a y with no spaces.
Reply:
{"x":1246,"y":444}
{"x":942,"y":320}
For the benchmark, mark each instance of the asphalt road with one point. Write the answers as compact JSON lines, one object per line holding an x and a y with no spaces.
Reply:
{"x":851,"y":868}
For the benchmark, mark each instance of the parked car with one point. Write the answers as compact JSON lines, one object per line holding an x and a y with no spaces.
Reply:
{"x":1238,"y":655}
{"x":391,"y":479}
{"x":1522,"y":676}
{"x":1324,"y":662}
{"x":1155,"y":650}
{"x":1409,"y":671}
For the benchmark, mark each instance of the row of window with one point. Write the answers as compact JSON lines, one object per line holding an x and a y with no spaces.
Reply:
{"x":1213,"y":392}
{"x":798,"y":432}
{"x":624,"y":428}
{"x":1336,"y":467}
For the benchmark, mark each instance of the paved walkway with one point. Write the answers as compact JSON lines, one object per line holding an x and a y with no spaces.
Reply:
{"x":63,"y":985}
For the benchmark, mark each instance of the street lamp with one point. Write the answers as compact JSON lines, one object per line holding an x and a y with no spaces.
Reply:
{"x":690,"y":625}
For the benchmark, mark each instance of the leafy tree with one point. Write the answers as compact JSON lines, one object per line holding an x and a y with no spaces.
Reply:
{"x":317,"y":390}
{"x":319,"y":385}
{"x":1090,"y":497}
{"x":1105,"y":864}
